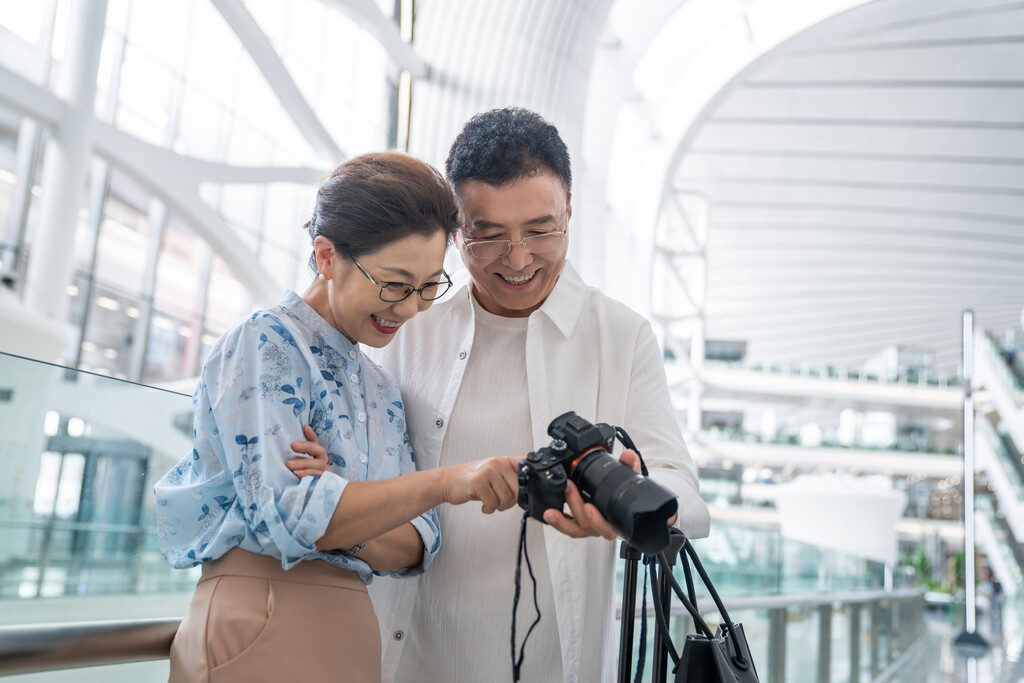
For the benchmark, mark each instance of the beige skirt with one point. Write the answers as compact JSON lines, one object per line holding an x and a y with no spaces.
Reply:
{"x":250,"y":620}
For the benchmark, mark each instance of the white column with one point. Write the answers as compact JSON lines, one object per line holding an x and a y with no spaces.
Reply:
{"x":66,"y":164}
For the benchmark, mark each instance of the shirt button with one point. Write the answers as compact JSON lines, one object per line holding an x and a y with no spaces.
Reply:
{"x":398,"y":635}
{"x":462,"y":355}
{"x":354,"y":377}
{"x":361,"y":416}
{"x":352,"y":353}
{"x":362,"y":457}
{"x":439,"y":423}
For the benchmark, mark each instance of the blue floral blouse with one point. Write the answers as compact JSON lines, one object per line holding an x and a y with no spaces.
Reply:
{"x":277,"y":371}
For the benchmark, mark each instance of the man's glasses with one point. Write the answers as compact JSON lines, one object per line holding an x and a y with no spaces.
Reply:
{"x":399,"y":291}
{"x":537,"y":244}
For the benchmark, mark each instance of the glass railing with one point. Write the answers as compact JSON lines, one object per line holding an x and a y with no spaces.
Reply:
{"x":82,"y":453}
{"x":829,"y":439}
{"x":1011,"y":551}
{"x":992,"y":354}
{"x":841,"y":373}
{"x":1008,"y":463}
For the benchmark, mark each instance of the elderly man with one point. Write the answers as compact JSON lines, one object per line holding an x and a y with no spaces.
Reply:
{"x":483,"y":372}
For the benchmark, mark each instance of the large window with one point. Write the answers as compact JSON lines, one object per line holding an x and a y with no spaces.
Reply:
{"x":149,"y":294}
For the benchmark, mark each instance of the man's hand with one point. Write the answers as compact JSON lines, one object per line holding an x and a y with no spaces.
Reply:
{"x":584,"y":520}
{"x":315,"y":461}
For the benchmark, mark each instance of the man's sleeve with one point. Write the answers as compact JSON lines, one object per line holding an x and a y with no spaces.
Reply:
{"x":652,"y":423}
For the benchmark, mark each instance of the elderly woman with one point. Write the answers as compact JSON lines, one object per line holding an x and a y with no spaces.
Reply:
{"x":285,"y":558}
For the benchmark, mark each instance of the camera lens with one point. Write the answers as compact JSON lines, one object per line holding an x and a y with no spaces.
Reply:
{"x":637,"y":508}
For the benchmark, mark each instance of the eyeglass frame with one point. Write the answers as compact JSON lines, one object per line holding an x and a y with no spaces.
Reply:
{"x":510,"y":243}
{"x":418,"y":290}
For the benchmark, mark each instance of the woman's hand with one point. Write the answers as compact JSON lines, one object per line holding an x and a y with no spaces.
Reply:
{"x":494,"y":482}
{"x":316,"y":463}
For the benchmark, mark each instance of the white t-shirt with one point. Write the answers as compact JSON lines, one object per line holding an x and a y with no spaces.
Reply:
{"x":461,"y":621}
{"x":584,"y":352}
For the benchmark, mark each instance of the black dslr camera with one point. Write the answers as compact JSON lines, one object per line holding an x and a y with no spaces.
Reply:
{"x":637,"y":507}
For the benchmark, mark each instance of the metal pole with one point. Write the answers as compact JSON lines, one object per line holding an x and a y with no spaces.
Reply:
{"x":631,"y":556}
{"x":969,"y":642}
{"x":969,"y":551}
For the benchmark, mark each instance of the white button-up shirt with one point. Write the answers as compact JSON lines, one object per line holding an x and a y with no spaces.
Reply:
{"x":584,"y":352}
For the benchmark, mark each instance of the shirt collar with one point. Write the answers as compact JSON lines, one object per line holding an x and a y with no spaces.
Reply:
{"x":562,"y":307}
{"x":565,"y":303}
{"x":296,"y":306}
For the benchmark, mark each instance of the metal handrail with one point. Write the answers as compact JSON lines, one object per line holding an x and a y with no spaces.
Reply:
{"x":48,"y":647}
{"x":794,"y":601}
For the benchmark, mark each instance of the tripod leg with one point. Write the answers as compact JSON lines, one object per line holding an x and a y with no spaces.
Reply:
{"x":659,"y":666}
{"x":628,"y":610}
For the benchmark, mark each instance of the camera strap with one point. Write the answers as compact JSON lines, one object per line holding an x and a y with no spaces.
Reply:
{"x":523,"y":551}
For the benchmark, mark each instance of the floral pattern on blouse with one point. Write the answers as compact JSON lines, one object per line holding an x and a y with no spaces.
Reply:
{"x":264,"y":379}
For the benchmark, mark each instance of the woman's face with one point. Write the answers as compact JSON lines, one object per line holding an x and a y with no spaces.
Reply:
{"x":353,"y":304}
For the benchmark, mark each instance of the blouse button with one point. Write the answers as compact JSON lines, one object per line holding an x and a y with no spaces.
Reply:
{"x":352,"y":353}
{"x":354,"y":377}
{"x":362,"y":457}
{"x":398,"y":635}
{"x":439,"y":423}
{"x":361,"y":416}
{"x":462,"y":355}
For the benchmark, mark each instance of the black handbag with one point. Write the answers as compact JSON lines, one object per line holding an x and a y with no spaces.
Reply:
{"x":722,"y":656}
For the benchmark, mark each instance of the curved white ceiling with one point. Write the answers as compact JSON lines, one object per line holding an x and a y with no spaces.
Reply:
{"x":866,"y":184}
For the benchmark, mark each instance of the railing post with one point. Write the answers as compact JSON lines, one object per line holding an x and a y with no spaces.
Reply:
{"x":777,"y":644}
{"x":875,"y":624}
{"x":890,"y":656}
{"x":855,"y":608}
{"x":824,"y":643}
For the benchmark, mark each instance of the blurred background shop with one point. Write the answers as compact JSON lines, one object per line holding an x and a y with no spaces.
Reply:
{"x":803,"y":196}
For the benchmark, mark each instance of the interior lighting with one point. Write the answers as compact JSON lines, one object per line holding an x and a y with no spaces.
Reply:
{"x":36,"y":191}
{"x":727,"y":465}
{"x":7,"y":177}
{"x":209,"y":340}
{"x":88,"y":346}
{"x":108,"y":303}
{"x":72,"y":290}
{"x":110,"y":353}
{"x":186,"y":332}
{"x":51,"y":422}
{"x":76,"y":426}
{"x":162,"y":323}
{"x":132,"y":312}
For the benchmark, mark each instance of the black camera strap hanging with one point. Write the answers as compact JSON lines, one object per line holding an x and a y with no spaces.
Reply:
{"x":517,"y":663}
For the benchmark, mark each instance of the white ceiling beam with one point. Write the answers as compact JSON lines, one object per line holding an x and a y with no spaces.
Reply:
{"x":367,"y":14}
{"x":173,"y":178}
{"x":256,"y":43}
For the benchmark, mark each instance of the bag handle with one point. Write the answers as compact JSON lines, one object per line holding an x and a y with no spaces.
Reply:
{"x":689,"y":553}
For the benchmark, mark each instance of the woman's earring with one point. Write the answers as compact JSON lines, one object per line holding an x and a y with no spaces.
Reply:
{"x":321,"y":277}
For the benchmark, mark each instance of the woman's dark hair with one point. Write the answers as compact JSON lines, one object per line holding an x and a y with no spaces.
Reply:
{"x":375,"y":199}
{"x":503,"y":145}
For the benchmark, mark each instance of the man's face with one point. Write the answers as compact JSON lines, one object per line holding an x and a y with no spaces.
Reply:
{"x":515,"y":284}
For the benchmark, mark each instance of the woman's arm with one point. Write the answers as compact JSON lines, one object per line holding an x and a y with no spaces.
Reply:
{"x":370,"y":509}
{"x":397,"y":549}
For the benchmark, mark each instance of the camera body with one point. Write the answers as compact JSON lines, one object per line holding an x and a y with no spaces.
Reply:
{"x":635,"y":506}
